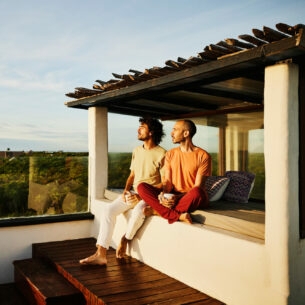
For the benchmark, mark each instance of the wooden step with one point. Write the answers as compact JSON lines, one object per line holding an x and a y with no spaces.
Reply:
{"x":122,"y":282}
{"x":41,"y":284}
{"x":10,"y":295}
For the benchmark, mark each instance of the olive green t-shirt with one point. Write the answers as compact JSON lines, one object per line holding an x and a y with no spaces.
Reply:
{"x":147,"y":165}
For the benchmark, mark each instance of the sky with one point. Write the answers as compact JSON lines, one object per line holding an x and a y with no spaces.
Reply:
{"x":48,"y":48}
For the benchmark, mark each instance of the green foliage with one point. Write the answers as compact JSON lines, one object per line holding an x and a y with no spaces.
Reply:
{"x":63,"y":173}
{"x":257,"y":166}
{"x":46,"y":169}
{"x":214,"y":157}
{"x":14,"y":169}
{"x":118,"y":169}
{"x":13,"y":198}
{"x":14,"y":185}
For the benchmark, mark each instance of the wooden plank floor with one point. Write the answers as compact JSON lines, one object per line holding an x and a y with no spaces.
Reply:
{"x":125,"y":281}
{"x":10,"y":295}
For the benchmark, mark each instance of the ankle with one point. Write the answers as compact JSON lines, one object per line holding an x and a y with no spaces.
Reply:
{"x":101,"y":251}
{"x":125,"y":239}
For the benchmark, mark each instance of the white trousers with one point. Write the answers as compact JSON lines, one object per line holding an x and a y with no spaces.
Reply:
{"x":108,"y":220}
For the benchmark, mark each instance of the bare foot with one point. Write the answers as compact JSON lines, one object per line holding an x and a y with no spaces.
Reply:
{"x":149,"y":211}
{"x":121,"y":249}
{"x":186,"y":217}
{"x":94,"y":259}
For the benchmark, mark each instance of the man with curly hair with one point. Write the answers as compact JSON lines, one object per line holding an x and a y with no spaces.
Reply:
{"x":146,"y":166}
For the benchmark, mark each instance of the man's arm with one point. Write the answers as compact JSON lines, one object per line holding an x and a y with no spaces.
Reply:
{"x":129,"y":183}
{"x":203,"y":172}
{"x":200,"y":181}
{"x":167,"y":182}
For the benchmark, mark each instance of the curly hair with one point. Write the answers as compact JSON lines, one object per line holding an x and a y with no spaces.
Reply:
{"x":155,"y":127}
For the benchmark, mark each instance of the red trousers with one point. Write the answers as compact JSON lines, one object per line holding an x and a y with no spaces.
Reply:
{"x":195,"y":199}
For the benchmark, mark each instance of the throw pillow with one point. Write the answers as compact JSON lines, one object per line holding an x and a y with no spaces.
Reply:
{"x":216,"y":185}
{"x":240,"y":186}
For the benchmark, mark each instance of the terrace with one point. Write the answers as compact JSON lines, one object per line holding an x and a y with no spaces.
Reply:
{"x":236,"y":85}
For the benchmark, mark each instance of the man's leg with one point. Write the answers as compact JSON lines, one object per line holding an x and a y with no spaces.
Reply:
{"x":193,"y":200}
{"x":98,"y":258}
{"x":108,"y":219}
{"x":150,"y":195}
{"x":135,"y":222}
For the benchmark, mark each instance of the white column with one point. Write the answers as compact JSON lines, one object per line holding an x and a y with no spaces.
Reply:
{"x":98,"y":152}
{"x":281,"y":169}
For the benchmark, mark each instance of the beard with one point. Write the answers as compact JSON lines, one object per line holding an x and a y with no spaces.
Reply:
{"x":142,"y":137}
{"x":177,"y":140}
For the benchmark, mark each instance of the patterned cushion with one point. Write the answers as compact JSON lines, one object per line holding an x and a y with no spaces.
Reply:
{"x":240,"y":186}
{"x":216,"y":185}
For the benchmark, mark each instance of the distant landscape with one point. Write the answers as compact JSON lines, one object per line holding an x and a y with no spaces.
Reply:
{"x":43,"y":183}
{"x":56,"y":183}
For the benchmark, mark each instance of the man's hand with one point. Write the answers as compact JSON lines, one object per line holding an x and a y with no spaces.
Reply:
{"x":167,"y":200}
{"x":131,"y":197}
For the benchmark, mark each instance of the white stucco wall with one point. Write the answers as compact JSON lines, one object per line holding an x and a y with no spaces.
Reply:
{"x":16,"y":242}
{"x":286,"y":250}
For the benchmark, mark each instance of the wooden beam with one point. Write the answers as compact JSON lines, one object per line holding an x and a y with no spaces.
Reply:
{"x":224,"y":67}
{"x":251,"y":39}
{"x":273,"y":35}
{"x":238,"y":43}
{"x":239,"y":96}
{"x":250,"y":108}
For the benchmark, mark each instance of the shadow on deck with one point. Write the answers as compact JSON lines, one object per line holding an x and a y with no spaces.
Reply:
{"x":126,"y":281}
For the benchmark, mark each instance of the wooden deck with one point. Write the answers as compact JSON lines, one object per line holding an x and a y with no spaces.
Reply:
{"x":10,"y":295}
{"x":126,"y":281}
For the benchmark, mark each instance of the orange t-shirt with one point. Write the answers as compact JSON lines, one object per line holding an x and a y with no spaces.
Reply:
{"x":184,"y":166}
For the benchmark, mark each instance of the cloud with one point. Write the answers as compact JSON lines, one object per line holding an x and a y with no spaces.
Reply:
{"x":50,"y":47}
{"x":27,"y":81}
{"x":30,"y":136}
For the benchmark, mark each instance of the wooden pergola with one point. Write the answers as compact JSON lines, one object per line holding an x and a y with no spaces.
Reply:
{"x":226,"y":77}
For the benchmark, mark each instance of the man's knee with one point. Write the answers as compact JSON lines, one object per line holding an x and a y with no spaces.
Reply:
{"x":197,"y":192}
{"x":200,"y":196}
{"x":142,"y":187}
